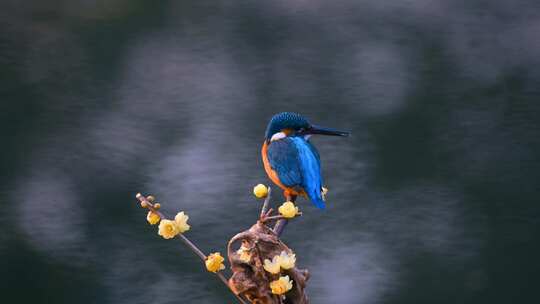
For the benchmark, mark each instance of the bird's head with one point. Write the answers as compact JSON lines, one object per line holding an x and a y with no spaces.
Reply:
{"x":292,"y":124}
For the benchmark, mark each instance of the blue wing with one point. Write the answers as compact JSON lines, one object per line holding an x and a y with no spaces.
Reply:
{"x":283,"y":158}
{"x":297,"y":164}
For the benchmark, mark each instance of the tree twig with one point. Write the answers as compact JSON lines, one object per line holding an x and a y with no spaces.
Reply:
{"x":278,"y":217}
{"x":266,"y":202}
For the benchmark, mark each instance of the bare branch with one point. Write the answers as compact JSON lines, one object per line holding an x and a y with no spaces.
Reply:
{"x":145,"y":203}
{"x":266,"y":202}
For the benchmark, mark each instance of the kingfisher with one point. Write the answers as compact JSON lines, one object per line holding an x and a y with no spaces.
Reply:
{"x":289,"y":158}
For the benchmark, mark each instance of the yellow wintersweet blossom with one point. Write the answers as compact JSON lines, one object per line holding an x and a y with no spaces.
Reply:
{"x":181,"y":222}
{"x":168,"y":229}
{"x":152,"y":218}
{"x":288,"y":210}
{"x":260,"y":191}
{"x":286,"y":260}
{"x":214,"y":262}
{"x":281,"y":286}
{"x":324,"y":190}
{"x":272,"y":266}
{"x":244,"y":254}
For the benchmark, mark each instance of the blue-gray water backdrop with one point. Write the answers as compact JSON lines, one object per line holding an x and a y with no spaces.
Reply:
{"x":434,"y":199}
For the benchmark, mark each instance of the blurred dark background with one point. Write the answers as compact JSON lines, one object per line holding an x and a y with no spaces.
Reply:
{"x":434,"y":199}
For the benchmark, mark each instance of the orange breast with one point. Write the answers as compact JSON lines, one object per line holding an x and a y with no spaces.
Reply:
{"x":273,"y":174}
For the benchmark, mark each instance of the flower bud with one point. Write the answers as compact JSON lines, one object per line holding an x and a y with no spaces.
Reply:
{"x":272,"y":266}
{"x":260,"y":191}
{"x":287,"y":260}
{"x":152,"y":218}
{"x":214,"y":262}
{"x":288,"y":210}
{"x":181,"y":222}
{"x":281,"y":286}
{"x":168,"y":229}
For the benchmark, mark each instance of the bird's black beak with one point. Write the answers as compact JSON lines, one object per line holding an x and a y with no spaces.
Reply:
{"x":326,"y":131}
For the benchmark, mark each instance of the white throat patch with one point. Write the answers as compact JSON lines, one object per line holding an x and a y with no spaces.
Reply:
{"x":278,"y":136}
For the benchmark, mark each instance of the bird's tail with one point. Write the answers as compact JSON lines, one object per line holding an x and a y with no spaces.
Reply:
{"x":316,"y":198}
